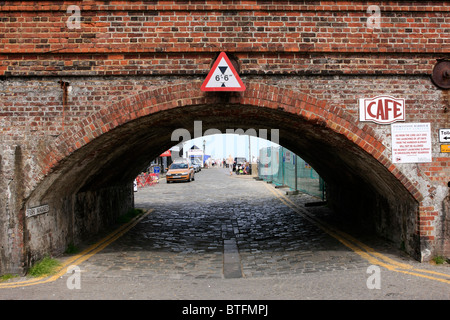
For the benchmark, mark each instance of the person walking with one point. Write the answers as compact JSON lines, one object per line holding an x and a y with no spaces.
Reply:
{"x":230,"y":162}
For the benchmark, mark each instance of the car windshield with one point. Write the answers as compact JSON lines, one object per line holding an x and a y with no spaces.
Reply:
{"x":179,"y":166}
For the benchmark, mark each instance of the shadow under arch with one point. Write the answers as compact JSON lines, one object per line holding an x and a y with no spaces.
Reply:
{"x":112,"y":146}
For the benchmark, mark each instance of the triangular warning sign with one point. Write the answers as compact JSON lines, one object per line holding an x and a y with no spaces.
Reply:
{"x":223,"y":76}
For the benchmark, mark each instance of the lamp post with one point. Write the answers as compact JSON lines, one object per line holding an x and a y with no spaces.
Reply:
{"x":203,"y":158}
{"x":249,"y":150}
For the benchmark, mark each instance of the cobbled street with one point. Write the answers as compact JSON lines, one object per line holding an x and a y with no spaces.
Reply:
{"x":191,"y":223}
{"x":231,"y":237}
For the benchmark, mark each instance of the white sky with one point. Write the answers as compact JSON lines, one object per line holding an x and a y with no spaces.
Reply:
{"x":220,"y":146}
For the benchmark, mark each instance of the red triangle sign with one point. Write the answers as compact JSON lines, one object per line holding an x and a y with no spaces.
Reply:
{"x":223,"y":76}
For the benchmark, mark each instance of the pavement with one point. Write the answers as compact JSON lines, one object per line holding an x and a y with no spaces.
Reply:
{"x":225,"y":237}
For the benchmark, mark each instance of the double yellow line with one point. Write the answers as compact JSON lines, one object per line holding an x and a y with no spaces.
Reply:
{"x":360,"y":248}
{"x":79,"y":258}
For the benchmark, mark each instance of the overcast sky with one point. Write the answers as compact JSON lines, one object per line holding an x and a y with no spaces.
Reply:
{"x":220,"y":146}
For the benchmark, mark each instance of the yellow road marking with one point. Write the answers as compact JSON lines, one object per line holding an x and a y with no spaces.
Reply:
{"x":82,"y":256}
{"x":358,"y":247}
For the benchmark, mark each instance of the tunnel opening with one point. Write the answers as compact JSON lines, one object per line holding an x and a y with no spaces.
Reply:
{"x":93,"y":185}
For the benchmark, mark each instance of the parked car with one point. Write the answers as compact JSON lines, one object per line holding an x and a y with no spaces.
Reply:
{"x":196,"y":166}
{"x":199,"y":162}
{"x":180,"y":171}
{"x":238,"y":162}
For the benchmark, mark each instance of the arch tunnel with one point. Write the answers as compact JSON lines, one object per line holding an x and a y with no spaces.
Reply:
{"x":87,"y":173}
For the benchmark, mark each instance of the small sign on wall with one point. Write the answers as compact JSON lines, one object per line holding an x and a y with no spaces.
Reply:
{"x":37,"y":211}
{"x":444,"y":135}
{"x":411,"y":142}
{"x":445,"y":148}
{"x":223,"y":76}
{"x":382,"y":109}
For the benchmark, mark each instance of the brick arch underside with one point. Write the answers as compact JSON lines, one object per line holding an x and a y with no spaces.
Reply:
{"x":112,"y":146}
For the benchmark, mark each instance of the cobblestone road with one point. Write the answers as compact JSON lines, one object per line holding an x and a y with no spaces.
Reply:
{"x":231,"y":237}
{"x":222,"y":226}
{"x":185,"y":235}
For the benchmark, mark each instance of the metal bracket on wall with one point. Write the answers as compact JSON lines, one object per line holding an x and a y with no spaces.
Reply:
{"x":441,"y":74}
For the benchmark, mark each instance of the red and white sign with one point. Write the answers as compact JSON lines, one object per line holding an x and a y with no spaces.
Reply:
{"x":166,"y":154}
{"x":382,"y":109}
{"x":223,"y":76}
{"x":411,"y":142}
{"x":195,"y":152}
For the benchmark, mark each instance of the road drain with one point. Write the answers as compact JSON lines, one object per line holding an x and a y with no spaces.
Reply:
{"x":231,"y":258}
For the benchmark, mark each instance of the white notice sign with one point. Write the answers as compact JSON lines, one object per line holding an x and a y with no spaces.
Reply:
{"x":37,"y":210}
{"x":444,"y":135}
{"x":411,"y":142}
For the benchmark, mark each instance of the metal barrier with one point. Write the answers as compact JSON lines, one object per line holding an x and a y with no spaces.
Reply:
{"x":146,"y":179}
{"x":282,"y":167}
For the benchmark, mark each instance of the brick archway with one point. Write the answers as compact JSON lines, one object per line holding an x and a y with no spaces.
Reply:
{"x":316,"y":112}
{"x":62,"y":147}
{"x":110,"y":147}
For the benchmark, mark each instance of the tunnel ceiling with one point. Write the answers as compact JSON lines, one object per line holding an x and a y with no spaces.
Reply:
{"x":119,"y":155}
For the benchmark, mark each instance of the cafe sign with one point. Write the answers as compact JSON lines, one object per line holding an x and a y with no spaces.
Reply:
{"x":382,"y":109}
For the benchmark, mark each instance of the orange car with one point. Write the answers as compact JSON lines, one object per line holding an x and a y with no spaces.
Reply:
{"x":180,"y":171}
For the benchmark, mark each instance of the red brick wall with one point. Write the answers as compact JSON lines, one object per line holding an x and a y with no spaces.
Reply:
{"x":205,"y":26}
{"x":270,"y":37}
{"x":329,"y":51}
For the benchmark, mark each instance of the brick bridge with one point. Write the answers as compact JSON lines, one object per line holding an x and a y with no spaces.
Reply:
{"x":90,"y":91}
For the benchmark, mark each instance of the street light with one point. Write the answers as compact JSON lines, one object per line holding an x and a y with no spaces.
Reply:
{"x":203,"y":158}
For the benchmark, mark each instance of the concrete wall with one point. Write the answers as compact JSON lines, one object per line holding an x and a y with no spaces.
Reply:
{"x":74,"y":219}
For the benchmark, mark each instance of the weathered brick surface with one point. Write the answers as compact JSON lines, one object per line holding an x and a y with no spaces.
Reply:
{"x":76,"y":102}
{"x":272,"y":26}
{"x":186,"y":64}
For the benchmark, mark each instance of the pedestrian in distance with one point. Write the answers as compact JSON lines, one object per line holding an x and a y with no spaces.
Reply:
{"x":230,"y":161}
